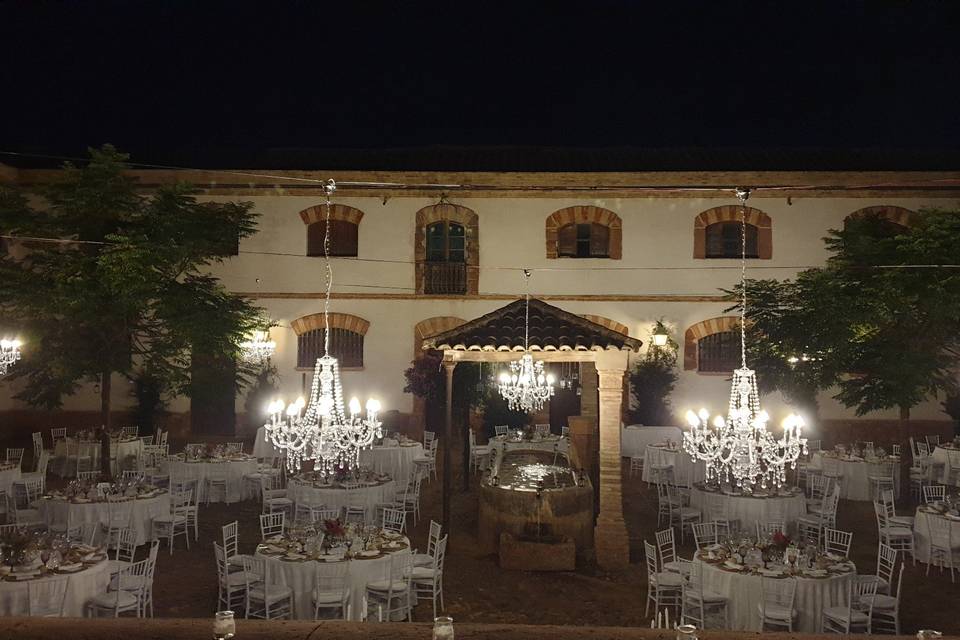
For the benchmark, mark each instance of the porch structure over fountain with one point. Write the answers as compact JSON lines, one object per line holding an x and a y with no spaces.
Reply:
{"x":555,"y":335}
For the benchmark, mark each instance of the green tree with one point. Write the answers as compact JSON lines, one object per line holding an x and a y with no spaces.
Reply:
{"x":127,"y":286}
{"x":878,"y":322}
{"x":652,"y":380}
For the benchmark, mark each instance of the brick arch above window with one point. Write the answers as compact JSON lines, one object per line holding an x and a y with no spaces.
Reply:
{"x":317,"y":213}
{"x":703,"y":329}
{"x":431,"y":327}
{"x":607,"y":322}
{"x":897,"y":215}
{"x":346,"y":321}
{"x":424,"y":273}
{"x":732,"y":213}
{"x":584,"y":214}
{"x":344,"y":229}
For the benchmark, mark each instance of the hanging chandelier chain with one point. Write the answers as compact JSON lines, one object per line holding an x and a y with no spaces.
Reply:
{"x":328,"y":190}
{"x":526,"y":319}
{"x":742,"y":195}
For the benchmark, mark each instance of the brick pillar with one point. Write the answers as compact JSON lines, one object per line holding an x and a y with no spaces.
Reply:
{"x":588,"y":390}
{"x":610,"y":535}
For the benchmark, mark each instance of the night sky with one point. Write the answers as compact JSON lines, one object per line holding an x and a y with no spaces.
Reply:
{"x":208,"y":83}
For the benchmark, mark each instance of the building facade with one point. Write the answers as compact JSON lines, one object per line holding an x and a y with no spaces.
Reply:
{"x":411,"y":261}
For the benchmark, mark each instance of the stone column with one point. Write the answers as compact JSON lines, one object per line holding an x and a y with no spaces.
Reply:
{"x":610,"y":536}
{"x":449,"y":366}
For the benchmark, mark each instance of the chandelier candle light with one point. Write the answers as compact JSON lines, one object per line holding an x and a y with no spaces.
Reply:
{"x":9,"y":354}
{"x":525,"y":387}
{"x":259,"y":348}
{"x":741,"y":449}
{"x":319,"y":429}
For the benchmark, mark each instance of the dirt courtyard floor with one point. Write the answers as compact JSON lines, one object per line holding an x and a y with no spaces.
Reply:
{"x":477,"y":590}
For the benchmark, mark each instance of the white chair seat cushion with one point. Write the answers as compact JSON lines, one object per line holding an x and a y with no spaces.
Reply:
{"x":481,"y":450}
{"x":117,"y":565}
{"x":689,"y":512}
{"x":111,"y":599}
{"x":128,"y":583}
{"x":270,"y":592}
{"x":384,"y":585}
{"x":170,"y":519}
{"x":329,"y":597}
{"x":902,"y":521}
{"x":776,"y":611}
{"x":880,"y":601}
{"x":896,"y":532}
{"x":422,"y":573}
{"x":840,"y":615}
{"x":422,"y":460}
{"x":664,"y":579}
{"x":240,"y":577}
{"x":237,"y":560}
{"x":272,"y":501}
{"x":671,"y":567}
{"x":422,"y":560}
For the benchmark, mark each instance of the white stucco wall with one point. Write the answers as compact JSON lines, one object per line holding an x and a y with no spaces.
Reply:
{"x":657,"y":245}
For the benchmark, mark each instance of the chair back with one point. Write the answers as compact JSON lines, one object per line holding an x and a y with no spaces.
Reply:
{"x":231,"y":538}
{"x":434,"y":537}
{"x":650,"y":556}
{"x":501,"y":429}
{"x":15,"y":455}
{"x":439,"y":558}
{"x":126,"y":545}
{"x":886,"y":562}
{"x":934,"y":493}
{"x":923,"y":450}
{"x":394,"y":520}
{"x":133,"y":475}
{"x":332,"y":576}
{"x":428,"y":437}
{"x":89,"y":476}
{"x":837,"y":542}
{"x":272,"y":524}
{"x":47,"y":596}
{"x":933,"y":440}
{"x":666,"y":546}
{"x":542,"y":429}
{"x":766,"y":530}
{"x":705,"y":534}
{"x":940,"y":532}
{"x":221,"y":558}
{"x":322,"y":515}
{"x":896,"y":450}
{"x":780,"y":593}
{"x":58,"y":433}
{"x":235,"y":447}
{"x":813,"y":446}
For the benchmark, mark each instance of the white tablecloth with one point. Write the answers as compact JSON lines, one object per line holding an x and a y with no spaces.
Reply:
{"x":397,"y":461}
{"x":743,"y":592}
{"x":81,"y":587}
{"x":144,"y":510}
{"x":685,"y":470}
{"x":942,"y":456}
{"x":855,"y":484}
{"x":234,"y":470}
{"x":634,"y":439}
{"x":7,"y":478}
{"x":921,"y":539}
{"x":749,"y":511}
{"x":334,"y":497}
{"x":300,"y":577}
{"x":264,"y":448}
{"x":119,"y":452}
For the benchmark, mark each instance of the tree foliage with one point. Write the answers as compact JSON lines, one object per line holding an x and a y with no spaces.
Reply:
{"x":127,"y":289}
{"x":878,"y":322}
{"x":652,"y":380}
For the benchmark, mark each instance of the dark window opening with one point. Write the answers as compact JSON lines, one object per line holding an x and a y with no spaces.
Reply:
{"x":343,"y":238}
{"x":345,"y":345}
{"x":724,"y":240}
{"x":583,"y":240}
{"x":719,"y":352}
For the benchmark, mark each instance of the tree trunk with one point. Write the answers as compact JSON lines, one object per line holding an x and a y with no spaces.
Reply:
{"x":105,"y":379}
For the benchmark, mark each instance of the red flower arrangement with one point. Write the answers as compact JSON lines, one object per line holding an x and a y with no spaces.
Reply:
{"x":781,"y":540}
{"x":334,"y":528}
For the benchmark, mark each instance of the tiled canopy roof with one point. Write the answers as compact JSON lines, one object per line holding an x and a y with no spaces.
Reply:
{"x":551,"y":329}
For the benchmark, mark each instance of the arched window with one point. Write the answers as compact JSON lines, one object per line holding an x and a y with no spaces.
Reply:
{"x":346,"y":339}
{"x":447,"y":250}
{"x":344,"y":229}
{"x":897,"y":220}
{"x":584,"y":232}
{"x":724,"y":240}
{"x":583,"y":240}
{"x":717,"y":233}
{"x":712,"y":346}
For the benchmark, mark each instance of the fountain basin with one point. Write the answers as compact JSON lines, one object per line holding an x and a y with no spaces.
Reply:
{"x":533,"y":490}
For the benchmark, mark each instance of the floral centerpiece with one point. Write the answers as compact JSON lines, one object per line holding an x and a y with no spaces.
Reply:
{"x":19,"y":547}
{"x":334,"y":529}
{"x":780,"y":541}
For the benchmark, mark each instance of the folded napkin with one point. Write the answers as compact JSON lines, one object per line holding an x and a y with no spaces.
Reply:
{"x":76,"y":566}
{"x":771,"y":572}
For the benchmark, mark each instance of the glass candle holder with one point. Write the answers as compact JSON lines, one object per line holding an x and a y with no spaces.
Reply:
{"x":224,"y":626}
{"x":443,"y":628}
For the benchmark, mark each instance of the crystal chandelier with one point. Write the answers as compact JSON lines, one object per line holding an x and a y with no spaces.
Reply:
{"x":9,"y":354}
{"x":741,"y":449}
{"x":319,"y":429}
{"x":525,"y":387}
{"x":259,"y":348}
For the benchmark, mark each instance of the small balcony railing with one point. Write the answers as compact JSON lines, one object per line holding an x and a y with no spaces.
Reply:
{"x":445,"y":278}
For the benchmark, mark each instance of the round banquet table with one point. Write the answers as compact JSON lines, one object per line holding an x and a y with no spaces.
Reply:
{"x":686,"y":472}
{"x":301,"y":575}
{"x":8,"y":476}
{"x":61,"y":511}
{"x":635,"y":438}
{"x":396,"y":460}
{"x":750,"y":510}
{"x":855,"y":484}
{"x":503,"y":444}
{"x":921,"y":533}
{"x":119,"y":450}
{"x":263,"y":448}
{"x":81,"y":587}
{"x":335,"y":496}
{"x":743,"y":592}
{"x":941,"y":454}
{"x":233,"y":470}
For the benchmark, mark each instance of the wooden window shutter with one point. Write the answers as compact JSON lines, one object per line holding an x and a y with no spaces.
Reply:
{"x":567,"y":241}
{"x":343,"y":238}
{"x":599,"y":241}
{"x":315,"y":233}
